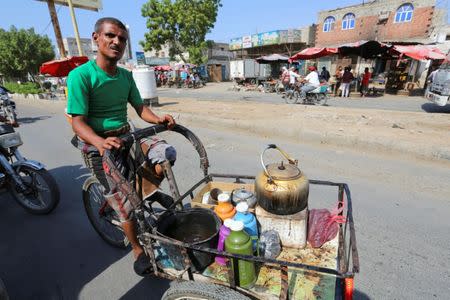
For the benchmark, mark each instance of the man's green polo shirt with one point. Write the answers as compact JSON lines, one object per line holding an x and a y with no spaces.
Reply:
{"x":100,"y":97}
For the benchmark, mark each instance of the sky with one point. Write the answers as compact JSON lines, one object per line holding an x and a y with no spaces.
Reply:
{"x":235,"y":18}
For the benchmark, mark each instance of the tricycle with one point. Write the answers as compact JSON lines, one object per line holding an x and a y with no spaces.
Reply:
{"x":308,"y":273}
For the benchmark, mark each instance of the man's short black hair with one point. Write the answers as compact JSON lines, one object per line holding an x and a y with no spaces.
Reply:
{"x":99,"y":23}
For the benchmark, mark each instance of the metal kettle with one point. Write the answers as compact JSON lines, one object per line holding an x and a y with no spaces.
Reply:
{"x":281,"y":188}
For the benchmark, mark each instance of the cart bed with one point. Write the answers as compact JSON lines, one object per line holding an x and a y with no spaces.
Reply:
{"x":303,"y":284}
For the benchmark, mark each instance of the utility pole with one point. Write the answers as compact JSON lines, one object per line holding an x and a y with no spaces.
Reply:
{"x":75,"y":27}
{"x":54,"y":17}
{"x":130,"y":53}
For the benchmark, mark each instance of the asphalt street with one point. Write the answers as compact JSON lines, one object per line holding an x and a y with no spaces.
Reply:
{"x":224,"y":92}
{"x":401,"y":210}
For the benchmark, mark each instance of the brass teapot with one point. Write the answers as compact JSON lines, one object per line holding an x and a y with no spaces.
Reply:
{"x":281,"y":188}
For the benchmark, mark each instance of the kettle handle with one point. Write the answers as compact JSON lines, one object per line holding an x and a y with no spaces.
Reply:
{"x":273,"y":146}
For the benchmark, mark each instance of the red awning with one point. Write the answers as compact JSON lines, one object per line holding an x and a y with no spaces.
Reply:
{"x":420,"y":52}
{"x":162,"y":68}
{"x":311,"y":53}
{"x":62,"y":67}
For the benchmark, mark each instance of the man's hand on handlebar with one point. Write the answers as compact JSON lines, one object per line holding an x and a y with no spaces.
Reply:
{"x":168,"y":120}
{"x":110,"y":143}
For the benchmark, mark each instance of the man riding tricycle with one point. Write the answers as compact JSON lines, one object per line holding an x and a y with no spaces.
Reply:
{"x":228,"y":236}
{"x":182,"y":240}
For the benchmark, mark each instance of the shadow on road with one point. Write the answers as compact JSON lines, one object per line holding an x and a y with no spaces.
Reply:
{"x":52,"y":256}
{"x":145,"y":289}
{"x":358,"y":295}
{"x":433,"y":108}
{"x":29,"y":120}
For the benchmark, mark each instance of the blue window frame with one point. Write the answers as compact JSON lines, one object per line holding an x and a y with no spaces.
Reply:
{"x":404,"y":13}
{"x":328,"y":24}
{"x":348,"y":22}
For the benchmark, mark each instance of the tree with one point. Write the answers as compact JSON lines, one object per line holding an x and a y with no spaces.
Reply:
{"x":180,"y":24}
{"x":22,"y":52}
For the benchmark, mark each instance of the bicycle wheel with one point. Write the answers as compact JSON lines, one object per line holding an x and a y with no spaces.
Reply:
{"x":102,"y":217}
{"x":42,"y":194}
{"x":194,"y":290}
{"x":291,"y":97}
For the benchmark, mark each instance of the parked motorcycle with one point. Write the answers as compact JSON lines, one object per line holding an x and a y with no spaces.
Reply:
{"x":7,"y":107}
{"x":318,"y":96}
{"x":28,"y":181}
{"x":3,"y":293}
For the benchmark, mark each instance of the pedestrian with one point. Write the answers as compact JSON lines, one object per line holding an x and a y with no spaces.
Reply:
{"x":285,"y":78}
{"x":365,"y":82}
{"x":98,"y":94}
{"x":325,"y":75}
{"x":347,"y":78}
{"x":338,"y":75}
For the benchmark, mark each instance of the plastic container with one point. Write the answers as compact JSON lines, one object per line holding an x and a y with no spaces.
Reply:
{"x":249,"y":220}
{"x":223,"y":233}
{"x":239,"y":242}
{"x":269,"y":244}
{"x":197,"y":226}
{"x":224,"y":209}
{"x":146,"y":84}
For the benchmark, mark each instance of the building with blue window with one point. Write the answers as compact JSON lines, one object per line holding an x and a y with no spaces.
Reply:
{"x":416,"y":21}
{"x":387,"y":21}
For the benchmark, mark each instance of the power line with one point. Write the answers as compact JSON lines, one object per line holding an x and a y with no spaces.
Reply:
{"x":50,"y":22}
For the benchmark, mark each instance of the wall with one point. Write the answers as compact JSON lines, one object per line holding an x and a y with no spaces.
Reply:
{"x":368,"y":25}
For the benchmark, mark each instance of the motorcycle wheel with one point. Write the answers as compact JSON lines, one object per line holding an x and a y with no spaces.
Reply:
{"x":42,"y":195}
{"x":321,"y":99}
{"x":102,"y":217}
{"x":291,"y":97}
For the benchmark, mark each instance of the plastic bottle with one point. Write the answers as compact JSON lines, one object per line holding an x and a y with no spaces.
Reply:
{"x":223,"y":233}
{"x":239,"y":242}
{"x":225,"y":210}
{"x":249,"y":220}
{"x":269,"y":244}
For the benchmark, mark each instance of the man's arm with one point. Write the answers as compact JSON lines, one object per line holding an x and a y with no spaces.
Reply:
{"x":87,"y":134}
{"x":149,"y":116}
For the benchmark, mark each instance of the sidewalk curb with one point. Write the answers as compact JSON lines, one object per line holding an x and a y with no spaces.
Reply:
{"x":299,"y":135}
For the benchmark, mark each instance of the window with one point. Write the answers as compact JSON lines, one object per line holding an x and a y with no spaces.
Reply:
{"x":348,"y":22}
{"x":404,"y":13}
{"x":328,"y":24}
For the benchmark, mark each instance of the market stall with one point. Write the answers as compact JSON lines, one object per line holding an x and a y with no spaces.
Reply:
{"x":277,"y":61}
{"x":397,"y":68}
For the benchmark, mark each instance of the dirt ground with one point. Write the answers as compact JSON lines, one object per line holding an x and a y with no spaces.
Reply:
{"x":419,"y":134}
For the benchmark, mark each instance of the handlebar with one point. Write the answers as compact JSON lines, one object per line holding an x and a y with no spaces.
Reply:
{"x":129,"y":138}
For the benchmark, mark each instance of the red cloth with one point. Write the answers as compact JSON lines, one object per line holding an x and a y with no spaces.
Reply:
{"x":62,"y":67}
{"x":366,"y":78}
{"x":310,"y":53}
{"x":420,"y":52}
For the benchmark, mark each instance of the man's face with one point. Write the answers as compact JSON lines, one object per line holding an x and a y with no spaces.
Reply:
{"x":111,"y":41}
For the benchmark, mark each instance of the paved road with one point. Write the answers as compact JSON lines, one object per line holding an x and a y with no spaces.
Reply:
{"x":401,"y":212}
{"x":222,"y":91}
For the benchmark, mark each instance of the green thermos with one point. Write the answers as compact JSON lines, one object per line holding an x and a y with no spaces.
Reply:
{"x":239,"y":242}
